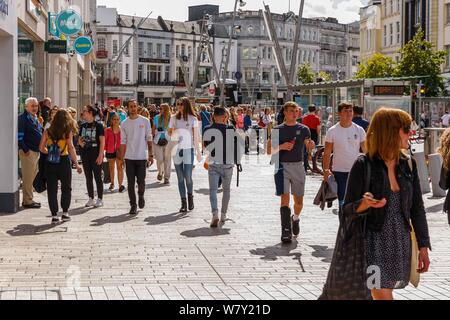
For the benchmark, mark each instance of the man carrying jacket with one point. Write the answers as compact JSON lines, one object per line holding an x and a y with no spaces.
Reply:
{"x":30,"y":134}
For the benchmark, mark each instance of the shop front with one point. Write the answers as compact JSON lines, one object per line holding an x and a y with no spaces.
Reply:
{"x":27,"y":70}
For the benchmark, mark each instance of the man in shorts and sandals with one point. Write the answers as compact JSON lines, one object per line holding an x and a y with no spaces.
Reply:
{"x":286,"y":147}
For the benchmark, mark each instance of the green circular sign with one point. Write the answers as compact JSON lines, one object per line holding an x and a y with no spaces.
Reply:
{"x":69,"y":22}
{"x":82,"y":45}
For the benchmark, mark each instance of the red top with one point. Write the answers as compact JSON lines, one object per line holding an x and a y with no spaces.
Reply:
{"x":109,"y":140}
{"x":311,"y":121}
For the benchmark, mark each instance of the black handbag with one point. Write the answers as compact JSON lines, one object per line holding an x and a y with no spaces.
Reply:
{"x":162,"y":142}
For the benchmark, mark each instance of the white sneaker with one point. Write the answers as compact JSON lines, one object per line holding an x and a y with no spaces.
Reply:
{"x":90,"y":203}
{"x":223,"y":217}
{"x":215,"y":221}
{"x":99,"y":203}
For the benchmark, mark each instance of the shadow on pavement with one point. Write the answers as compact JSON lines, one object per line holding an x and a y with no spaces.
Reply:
{"x":156,"y":185}
{"x":79,"y":211}
{"x":439,"y":208}
{"x":117,"y":219}
{"x":205,"y":192}
{"x":205,"y":232}
{"x":168,"y":218}
{"x":32,"y":230}
{"x":272,"y":253}
{"x":323,"y":252}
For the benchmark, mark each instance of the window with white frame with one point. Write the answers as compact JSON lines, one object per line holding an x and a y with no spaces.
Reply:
{"x":447,"y":7}
{"x":385,"y":35}
{"x":391,"y":34}
{"x":115,"y":47}
{"x":101,"y":44}
{"x":167,"y":50}
{"x":141,"y":49}
{"x":150,"y":49}
{"x":159,"y":50}
{"x":127,"y":72}
{"x":398,"y":32}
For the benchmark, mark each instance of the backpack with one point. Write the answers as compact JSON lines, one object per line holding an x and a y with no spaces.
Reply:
{"x":54,"y":151}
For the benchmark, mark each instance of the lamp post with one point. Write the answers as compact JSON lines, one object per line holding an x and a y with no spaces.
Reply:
{"x":227,"y":58}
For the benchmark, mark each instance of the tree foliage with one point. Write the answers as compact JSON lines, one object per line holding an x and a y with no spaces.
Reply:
{"x":378,"y":66}
{"x":419,"y":58}
{"x":305,"y":73}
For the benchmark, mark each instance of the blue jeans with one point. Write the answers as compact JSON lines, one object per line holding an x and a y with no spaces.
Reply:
{"x":341,"y":180}
{"x":184,"y":163}
{"x":215,"y":173}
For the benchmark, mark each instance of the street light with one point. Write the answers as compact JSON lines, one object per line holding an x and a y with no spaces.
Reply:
{"x":242,"y":3}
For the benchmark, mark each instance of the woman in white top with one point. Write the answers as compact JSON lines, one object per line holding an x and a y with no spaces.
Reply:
{"x":183,"y":129}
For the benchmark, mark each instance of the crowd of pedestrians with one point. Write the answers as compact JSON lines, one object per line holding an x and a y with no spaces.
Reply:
{"x":381,"y":211}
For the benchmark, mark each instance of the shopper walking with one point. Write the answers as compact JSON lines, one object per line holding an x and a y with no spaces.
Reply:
{"x":57,"y":145}
{"x":383,"y":208}
{"x":219,"y":141}
{"x":286,"y":147}
{"x":183,"y":129}
{"x":30,"y":134}
{"x":112,"y":146}
{"x":92,"y":146}
{"x":344,"y":141}
{"x":136,"y":149}
{"x":162,"y":144}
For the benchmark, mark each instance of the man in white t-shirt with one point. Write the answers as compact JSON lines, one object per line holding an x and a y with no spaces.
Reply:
{"x":136,"y":149}
{"x":344,"y":140}
{"x":445,"y":119}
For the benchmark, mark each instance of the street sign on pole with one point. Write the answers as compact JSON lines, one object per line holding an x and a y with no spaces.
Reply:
{"x":56,"y":46}
{"x":83,"y":45}
{"x":69,"y":22}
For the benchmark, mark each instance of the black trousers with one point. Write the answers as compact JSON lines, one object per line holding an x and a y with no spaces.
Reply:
{"x":136,"y":171}
{"x":59,"y":172}
{"x":92,"y":170}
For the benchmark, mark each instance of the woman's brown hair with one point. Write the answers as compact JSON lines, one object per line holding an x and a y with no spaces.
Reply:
{"x":165,"y":114}
{"x":62,"y":125}
{"x":383,"y":140}
{"x":444,"y":150}
{"x":187,"y":109}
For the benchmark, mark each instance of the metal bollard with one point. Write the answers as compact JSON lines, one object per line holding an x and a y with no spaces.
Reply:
{"x":422,"y":171}
{"x":435,"y":168}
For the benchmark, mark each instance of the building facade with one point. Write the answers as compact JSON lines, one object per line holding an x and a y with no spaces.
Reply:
{"x":325,"y":44}
{"x":370,"y":30}
{"x":9,"y":186}
{"x":147,"y":64}
{"x":391,"y":23}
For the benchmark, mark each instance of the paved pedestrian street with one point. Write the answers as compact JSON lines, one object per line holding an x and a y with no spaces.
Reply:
{"x":163,"y":254}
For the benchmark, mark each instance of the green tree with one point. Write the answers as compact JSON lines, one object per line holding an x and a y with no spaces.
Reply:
{"x":324,"y":75}
{"x":420,"y":59}
{"x":378,"y":66}
{"x":305,"y":74}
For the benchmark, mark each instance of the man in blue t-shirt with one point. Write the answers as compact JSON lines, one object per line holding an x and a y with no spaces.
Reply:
{"x":358,"y":118}
{"x":286,"y":147}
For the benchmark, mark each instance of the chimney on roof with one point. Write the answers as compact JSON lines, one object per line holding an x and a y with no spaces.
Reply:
{"x":171,"y":27}
{"x":133,"y":23}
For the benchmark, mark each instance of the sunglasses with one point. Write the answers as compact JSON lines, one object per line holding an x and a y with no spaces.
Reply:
{"x":407,"y":129}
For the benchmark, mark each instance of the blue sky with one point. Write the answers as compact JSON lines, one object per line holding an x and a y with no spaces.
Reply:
{"x":345,"y":10}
